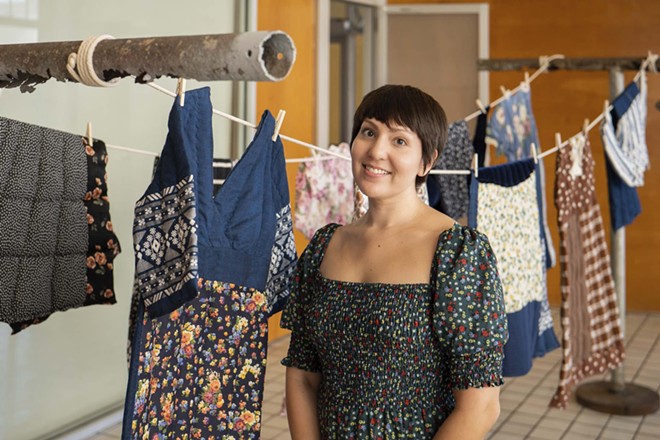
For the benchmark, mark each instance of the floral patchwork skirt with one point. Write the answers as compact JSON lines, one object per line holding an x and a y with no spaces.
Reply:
{"x":200,"y":369}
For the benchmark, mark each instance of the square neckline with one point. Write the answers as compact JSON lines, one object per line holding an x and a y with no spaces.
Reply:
{"x":327,"y":280}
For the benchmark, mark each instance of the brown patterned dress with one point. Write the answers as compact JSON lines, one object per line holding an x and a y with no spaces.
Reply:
{"x":592,"y":341}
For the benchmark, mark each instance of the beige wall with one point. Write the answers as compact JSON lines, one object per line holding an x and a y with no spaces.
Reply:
{"x":73,"y":367}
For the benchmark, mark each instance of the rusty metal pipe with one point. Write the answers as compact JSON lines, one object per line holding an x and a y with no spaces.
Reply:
{"x":248,"y":56}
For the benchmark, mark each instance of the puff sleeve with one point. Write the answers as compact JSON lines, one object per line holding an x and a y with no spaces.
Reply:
{"x":468,"y":310}
{"x":296,"y":316}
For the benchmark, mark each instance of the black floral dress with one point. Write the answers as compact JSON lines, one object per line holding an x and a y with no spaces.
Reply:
{"x":391,"y":354}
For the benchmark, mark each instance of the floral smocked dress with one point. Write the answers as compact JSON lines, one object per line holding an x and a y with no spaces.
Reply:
{"x":391,"y":354}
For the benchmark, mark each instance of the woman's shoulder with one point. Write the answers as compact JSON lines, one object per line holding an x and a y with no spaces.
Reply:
{"x":460,"y":238}
{"x":463,"y":235}
{"x":451,"y":235}
{"x":327,"y":230}
{"x":319,"y":241}
{"x":463,"y":247}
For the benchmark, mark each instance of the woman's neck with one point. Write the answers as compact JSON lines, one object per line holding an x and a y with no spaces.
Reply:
{"x":393,"y":213}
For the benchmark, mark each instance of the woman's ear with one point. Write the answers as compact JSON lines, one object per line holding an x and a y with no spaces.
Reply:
{"x":425,"y":169}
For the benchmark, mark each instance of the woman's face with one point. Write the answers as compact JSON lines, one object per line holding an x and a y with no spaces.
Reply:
{"x":386,"y":160}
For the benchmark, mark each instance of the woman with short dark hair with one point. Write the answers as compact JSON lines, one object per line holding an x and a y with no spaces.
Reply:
{"x":397,"y":319}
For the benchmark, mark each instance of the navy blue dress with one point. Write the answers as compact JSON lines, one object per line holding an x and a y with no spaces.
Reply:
{"x":211,"y":269}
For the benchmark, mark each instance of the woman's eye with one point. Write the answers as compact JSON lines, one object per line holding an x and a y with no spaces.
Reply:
{"x":368,"y":132}
{"x":400,"y":142}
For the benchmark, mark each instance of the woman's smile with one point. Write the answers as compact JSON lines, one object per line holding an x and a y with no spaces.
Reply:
{"x":375,"y":171}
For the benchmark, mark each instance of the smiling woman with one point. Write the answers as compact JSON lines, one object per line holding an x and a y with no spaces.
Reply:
{"x":384,"y":159}
{"x":397,"y":319}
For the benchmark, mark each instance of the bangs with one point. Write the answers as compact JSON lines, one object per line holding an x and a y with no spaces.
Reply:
{"x":392,"y":108}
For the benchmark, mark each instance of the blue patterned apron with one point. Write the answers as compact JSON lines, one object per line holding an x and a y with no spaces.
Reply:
{"x":199,"y":349}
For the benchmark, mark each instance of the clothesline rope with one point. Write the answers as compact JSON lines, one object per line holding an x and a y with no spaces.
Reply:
{"x":133,"y":150}
{"x":544,"y":62}
{"x":295,"y":141}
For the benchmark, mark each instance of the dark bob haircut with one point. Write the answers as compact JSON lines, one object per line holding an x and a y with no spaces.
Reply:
{"x":409,"y":107}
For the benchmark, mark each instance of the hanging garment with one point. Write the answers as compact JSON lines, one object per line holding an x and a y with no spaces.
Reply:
{"x":56,"y":241}
{"x":505,"y":204}
{"x":103,"y":243}
{"x":624,"y":134}
{"x":391,"y":354}
{"x":324,"y":192}
{"x":456,"y":155}
{"x":433,"y":190}
{"x":625,"y":205}
{"x":197,"y":371}
{"x":592,"y":341}
{"x":221,"y":169}
{"x":479,"y":140}
{"x":512,"y":129}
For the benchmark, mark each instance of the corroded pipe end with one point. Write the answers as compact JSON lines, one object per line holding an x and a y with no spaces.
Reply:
{"x":260,"y":56}
{"x":278,"y":53}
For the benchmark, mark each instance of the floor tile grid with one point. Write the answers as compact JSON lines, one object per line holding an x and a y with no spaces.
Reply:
{"x":591,"y":424}
{"x":647,"y":342}
{"x":525,"y":414}
{"x":642,"y":343}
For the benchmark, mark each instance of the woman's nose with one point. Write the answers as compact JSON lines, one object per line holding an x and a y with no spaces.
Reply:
{"x":378,"y":147}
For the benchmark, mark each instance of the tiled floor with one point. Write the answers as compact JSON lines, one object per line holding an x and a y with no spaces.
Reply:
{"x":525,"y":413}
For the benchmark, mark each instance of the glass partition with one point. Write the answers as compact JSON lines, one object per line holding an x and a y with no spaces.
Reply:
{"x":72,"y":367}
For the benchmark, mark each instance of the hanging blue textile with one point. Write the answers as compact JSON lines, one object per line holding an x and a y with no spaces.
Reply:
{"x":479,"y":139}
{"x":624,"y":201}
{"x":506,"y":205}
{"x":197,"y":370}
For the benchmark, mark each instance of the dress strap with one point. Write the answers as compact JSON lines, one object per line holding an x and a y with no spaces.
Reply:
{"x":319,"y":243}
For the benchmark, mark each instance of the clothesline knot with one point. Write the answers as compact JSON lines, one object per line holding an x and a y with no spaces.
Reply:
{"x":80,"y":65}
{"x":545,"y":60}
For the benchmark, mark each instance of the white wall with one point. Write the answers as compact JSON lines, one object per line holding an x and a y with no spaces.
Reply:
{"x":73,"y":366}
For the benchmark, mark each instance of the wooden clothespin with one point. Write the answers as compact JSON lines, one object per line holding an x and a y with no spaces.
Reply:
{"x":278,"y":124}
{"x":505,"y":92}
{"x":558,"y":141}
{"x":90,"y":139}
{"x":481,"y":106}
{"x":181,"y":90}
{"x":534,"y":152}
{"x":475,"y":164}
{"x":606,"y":108}
{"x":585,"y":126}
{"x":527,"y":78}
